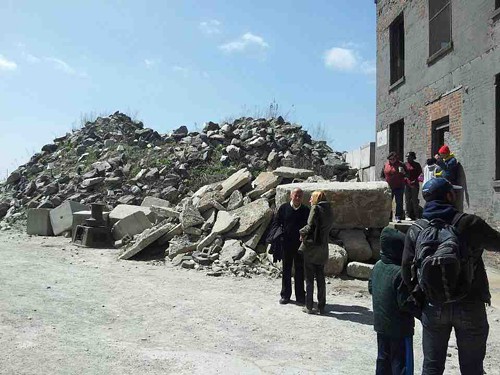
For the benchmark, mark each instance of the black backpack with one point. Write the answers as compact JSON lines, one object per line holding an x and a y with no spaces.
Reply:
{"x":442,"y":265}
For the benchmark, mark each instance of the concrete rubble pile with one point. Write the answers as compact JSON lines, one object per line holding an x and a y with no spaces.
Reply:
{"x":203,"y":199}
{"x":116,"y":160}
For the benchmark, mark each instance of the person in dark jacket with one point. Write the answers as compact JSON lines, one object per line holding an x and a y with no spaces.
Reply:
{"x":394,"y":325}
{"x":292,"y":217}
{"x":468,"y":315}
{"x":314,"y":246}
{"x":394,"y":172}
{"x":413,"y":171}
{"x":447,"y":165}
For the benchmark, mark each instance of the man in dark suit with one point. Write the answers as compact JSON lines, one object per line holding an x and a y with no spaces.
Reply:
{"x":292,"y":216}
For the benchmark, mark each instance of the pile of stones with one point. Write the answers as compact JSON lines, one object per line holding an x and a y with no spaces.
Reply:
{"x":116,"y":160}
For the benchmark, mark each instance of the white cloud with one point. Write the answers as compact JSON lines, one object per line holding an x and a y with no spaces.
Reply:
{"x":31,"y":59}
{"x":61,"y":65}
{"x":6,"y":64}
{"x":345,"y":59}
{"x":247,"y":42}
{"x":210,"y":27}
{"x":342,"y":59}
{"x":181,"y":70}
{"x":151,"y":62}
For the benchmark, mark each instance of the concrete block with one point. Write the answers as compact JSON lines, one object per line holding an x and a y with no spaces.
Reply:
{"x":80,"y":217}
{"x":38,"y":222}
{"x":367,"y":155}
{"x":123,"y":210}
{"x":354,"y":204}
{"x":131,"y":225}
{"x":61,"y":217}
{"x":153,"y":201}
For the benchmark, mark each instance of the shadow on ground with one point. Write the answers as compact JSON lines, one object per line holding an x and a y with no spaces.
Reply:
{"x":352,"y":313}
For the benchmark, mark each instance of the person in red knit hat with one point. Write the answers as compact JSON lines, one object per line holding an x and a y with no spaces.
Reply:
{"x":447,"y":165}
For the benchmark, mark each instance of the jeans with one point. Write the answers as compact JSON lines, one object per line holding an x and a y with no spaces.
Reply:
{"x":471,"y":330}
{"x":395,"y":356}
{"x":315,"y":271}
{"x":398,"y":194}
{"x":293,"y":258}
{"x":411,"y":200}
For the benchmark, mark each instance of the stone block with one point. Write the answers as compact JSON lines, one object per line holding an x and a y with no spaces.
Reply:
{"x":79,"y":218}
{"x":123,"y":210}
{"x":38,"y":222}
{"x":153,"y":201}
{"x":145,"y":239}
{"x":288,"y":172}
{"x":337,"y":259}
{"x":131,"y":225}
{"x":356,"y":244}
{"x":251,"y":216}
{"x":61,"y":217}
{"x":359,"y":270}
{"x":354,"y":204}
{"x":235,"y":181}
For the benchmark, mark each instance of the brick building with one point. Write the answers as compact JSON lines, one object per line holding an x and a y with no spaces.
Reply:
{"x":438,"y":81}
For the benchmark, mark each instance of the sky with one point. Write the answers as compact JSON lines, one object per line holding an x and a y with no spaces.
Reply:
{"x":184,"y":62}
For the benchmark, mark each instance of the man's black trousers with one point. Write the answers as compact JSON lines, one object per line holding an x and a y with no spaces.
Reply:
{"x":293,"y":258}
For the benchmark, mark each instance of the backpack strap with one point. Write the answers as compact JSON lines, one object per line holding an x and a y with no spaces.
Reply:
{"x":457,"y":218}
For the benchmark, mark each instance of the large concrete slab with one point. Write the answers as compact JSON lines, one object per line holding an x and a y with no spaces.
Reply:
{"x":61,"y":217}
{"x":235,"y":181}
{"x":123,"y":210}
{"x":150,"y":201}
{"x":145,"y":239}
{"x":354,"y":204}
{"x":133,"y":224}
{"x":38,"y":222}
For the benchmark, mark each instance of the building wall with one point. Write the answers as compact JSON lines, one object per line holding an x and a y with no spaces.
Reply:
{"x":460,"y":85}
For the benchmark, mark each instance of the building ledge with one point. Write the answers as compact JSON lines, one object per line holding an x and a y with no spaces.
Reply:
{"x":496,"y":14}
{"x":443,"y":51}
{"x":396,"y":84}
{"x":496,"y":185}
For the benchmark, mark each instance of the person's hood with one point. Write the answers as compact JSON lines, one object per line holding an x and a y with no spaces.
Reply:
{"x":392,"y":243}
{"x":439,"y":210}
{"x":325,"y":209}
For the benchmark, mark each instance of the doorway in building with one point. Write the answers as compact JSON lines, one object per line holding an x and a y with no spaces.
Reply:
{"x":440,"y":130}
{"x":397,"y":138}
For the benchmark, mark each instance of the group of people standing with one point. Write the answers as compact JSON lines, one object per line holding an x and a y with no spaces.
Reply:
{"x":434,"y":272}
{"x":404,"y":178}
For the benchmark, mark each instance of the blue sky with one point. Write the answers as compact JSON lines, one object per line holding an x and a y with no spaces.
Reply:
{"x":174,"y":62}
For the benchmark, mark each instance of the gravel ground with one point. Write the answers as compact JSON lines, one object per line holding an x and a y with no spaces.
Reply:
{"x":69,"y":310}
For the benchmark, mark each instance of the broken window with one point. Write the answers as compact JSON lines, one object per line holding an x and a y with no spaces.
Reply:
{"x":397,"y":138}
{"x":497,"y":127}
{"x":440,"y":128}
{"x":439,"y":26}
{"x":397,"y":42}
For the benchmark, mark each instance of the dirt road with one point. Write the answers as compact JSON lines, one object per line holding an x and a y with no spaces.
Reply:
{"x":67,"y":310}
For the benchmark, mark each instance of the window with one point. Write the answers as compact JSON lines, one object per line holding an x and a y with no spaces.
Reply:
{"x":497,"y":126}
{"x":397,"y":138}
{"x":439,"y":26}
{"x":497,"y":4}
{"x":397,"y":42}
{"x":440,"y":128}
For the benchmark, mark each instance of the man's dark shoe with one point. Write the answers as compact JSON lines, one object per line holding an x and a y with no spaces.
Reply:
{"x":300,"y":302}
{"x":284,"y":301}
{"x":322,"y":311}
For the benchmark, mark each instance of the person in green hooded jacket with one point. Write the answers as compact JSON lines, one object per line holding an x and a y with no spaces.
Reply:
{"x":314,"y":237}
{"x":394,"y":325}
